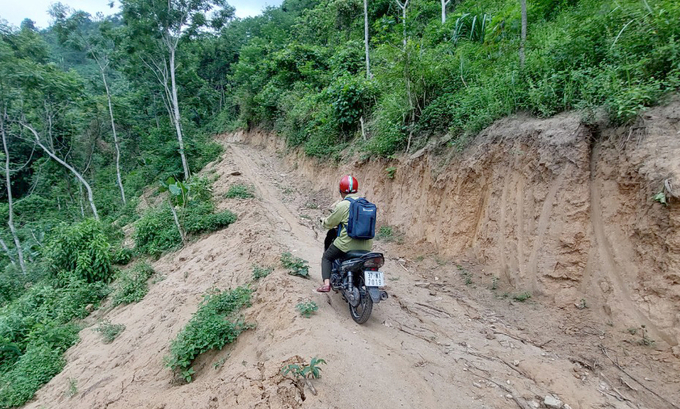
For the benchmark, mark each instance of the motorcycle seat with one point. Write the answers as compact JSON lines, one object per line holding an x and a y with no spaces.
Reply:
{"x":355,"y":254}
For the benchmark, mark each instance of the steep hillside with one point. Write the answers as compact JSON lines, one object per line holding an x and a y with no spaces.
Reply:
{"x":551,"y":206}
{"x":551,"y":217}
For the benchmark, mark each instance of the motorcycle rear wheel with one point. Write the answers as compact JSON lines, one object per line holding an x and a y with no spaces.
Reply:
{"x":362,"y":312}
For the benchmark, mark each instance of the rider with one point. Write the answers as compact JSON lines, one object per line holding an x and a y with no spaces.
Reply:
{"x":342,"y":243}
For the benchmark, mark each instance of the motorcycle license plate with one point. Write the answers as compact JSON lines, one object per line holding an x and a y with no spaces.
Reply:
{"x":374,"y":279}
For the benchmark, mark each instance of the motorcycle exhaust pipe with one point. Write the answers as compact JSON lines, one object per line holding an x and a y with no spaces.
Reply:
{"x":383,"y":296}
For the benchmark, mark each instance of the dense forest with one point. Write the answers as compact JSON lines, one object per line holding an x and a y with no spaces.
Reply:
{"x":95,"y":110}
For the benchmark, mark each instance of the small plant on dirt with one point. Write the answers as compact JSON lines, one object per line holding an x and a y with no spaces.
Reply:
{"x":494,"y":283}
{"x":239,"y":192}
{"x":131,"y":285}
{"x":214,"y":325}
{"x":389,"y":234}
{"x":661,"y":198}
{"x":582,"y":305}
{"x":521,"y":297}
{"x":109,"y":331}
{"x":72,"y":387}
{"x":306,"y":309}
{"x":632,"y":331}
{"x":295,"y":265}
{"x":305,"y":371}
{"x":220,"y":363}
{"x":302,"y":373}
{"x":390,"y":172}
{"x":312,"y":205}
{"x":467,"y":276}
{"x":261,"y":272}
{"x":645,"y":340}
{"x":385,"y":233}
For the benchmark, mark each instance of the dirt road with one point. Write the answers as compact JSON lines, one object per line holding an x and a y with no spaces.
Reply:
{"x":444,"y":339}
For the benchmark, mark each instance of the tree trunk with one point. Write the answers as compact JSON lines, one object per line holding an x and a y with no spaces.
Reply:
{"x":175,"y":107}
{"x":115,"y":136}
{"x":179,"y":226}
{"x":10,"y":202}
{"x":523,"y":39}
{"x":368,"y":61}
{"x":444,"y":4}
{"x":403,"y":13}
{"x":403,"y":6}
{"x":80,"y":200}
{"x":52,"y":155}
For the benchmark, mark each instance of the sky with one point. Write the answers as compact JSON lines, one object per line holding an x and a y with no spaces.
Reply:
{"x":14,"y":11}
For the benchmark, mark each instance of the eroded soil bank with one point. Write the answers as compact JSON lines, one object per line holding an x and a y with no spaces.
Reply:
{"x":551,"y":206}
{"x":547,"y":206}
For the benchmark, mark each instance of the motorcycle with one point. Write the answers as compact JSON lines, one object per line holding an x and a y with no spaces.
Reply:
{"x":358,"y":279}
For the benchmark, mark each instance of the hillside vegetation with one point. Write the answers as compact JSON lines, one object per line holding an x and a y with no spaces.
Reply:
{"x":95,"y":110}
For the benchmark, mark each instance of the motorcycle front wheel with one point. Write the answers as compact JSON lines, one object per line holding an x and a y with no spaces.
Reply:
{"x":362,"y":311}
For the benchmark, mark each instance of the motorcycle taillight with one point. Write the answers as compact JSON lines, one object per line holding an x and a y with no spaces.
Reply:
{"x":375,"y":262}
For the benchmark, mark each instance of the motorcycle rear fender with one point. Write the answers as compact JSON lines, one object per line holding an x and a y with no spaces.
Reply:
{"x":374,"y":292}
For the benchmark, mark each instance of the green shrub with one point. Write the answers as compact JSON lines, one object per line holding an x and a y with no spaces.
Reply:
{"x":306,"y":309}
{"x":12,"y":282}
{"x":81,"y":249}
{"x":214,"y":325}
{"x":121,"y":256}
{"x":295,"y":265}
{"x":155,"y":232}
{"x":44,"y":303}
{"x":35,"y":368}
{"x":239,"y":192}
{"x":109,"y":331}
{"x":521,"y":297}
{"x":261,"y":272}
{"x":131,"y":285}
{"x":350,"y":97}
{"x":385,"y":233}
{"x":389,"y":234}
{"x":201,"y":219}
{"x":59,"y":337}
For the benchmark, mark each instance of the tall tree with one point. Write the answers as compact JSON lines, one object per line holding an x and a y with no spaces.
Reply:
{"x":53,"y":155}
{"x":10,"y":199}
{"x":444,"y":4}
{"x":368,"y":61}
{"x":403,"y":5}
{"x":99,"y":48}
{"x":156,"y":28}
{"x":523,"y":35}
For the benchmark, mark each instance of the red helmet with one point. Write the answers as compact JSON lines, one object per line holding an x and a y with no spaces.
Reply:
{"x":349,"y":184}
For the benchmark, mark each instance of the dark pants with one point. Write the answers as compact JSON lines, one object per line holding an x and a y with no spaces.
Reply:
{"x":331,"y":254}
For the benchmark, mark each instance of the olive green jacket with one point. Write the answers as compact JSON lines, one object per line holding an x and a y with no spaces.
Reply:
{"x":340,"y":215}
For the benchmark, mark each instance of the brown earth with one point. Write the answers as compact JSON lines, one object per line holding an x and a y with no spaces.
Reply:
{"x":550,"y":207}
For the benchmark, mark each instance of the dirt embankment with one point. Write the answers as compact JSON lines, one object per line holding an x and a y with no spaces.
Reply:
{"x":545,"y":205}
{"x":549,"y":206}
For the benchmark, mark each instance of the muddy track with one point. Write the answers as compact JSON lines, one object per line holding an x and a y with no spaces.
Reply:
{"x":435,"y":343}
